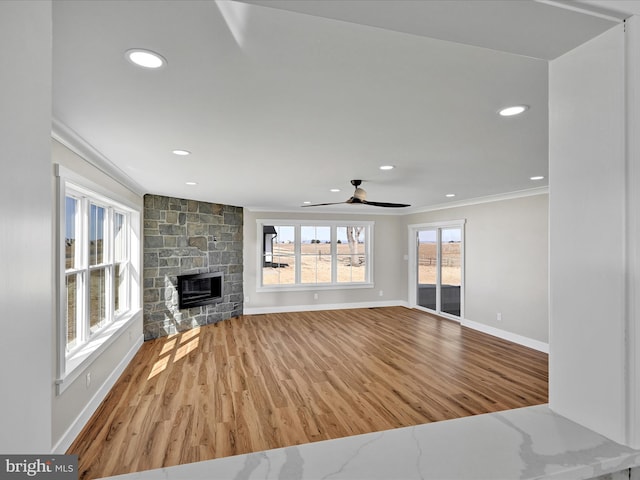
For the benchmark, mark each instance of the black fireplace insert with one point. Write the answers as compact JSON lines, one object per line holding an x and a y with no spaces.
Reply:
{"x":199,"y":289}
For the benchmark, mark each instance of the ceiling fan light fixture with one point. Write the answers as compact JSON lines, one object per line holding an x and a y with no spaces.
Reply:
{"x":145,"y":58}
{"x":359,"y":195}
{"x":513,"y":110}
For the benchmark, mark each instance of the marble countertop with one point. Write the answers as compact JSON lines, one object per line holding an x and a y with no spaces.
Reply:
{"x":527,"y":443}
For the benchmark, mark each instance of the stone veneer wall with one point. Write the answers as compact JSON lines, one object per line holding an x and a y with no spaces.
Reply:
{"x":183,"y":237}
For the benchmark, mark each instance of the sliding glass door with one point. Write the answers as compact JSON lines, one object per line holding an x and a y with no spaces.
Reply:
{"x":428,"y":268}
{"x":451,"y":271}
{"x":439,"y":261}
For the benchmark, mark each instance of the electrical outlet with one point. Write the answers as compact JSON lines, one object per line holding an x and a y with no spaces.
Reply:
{"x":499,"y":317}
{"x":381,"y":293}
{"x":88,"y":379}
{"x":246,"y":299}
{"x":315,"y":296}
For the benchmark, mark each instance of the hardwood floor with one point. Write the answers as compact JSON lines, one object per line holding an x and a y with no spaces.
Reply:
{"x":265,"y":381}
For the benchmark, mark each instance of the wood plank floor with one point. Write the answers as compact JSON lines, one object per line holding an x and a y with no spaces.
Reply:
{"x":257,"y":382}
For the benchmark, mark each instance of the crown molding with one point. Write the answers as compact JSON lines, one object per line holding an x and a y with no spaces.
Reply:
{"x":74,"y":142}
{"x":410,"y":211}
{"x":365,"y":211}
{"x":479,"y":200}
{"x":594,"y":9}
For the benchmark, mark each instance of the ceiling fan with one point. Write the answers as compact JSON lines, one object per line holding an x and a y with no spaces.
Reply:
{"x":360,"y":196}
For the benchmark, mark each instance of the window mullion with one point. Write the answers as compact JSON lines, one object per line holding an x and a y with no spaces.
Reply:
{"x":82,"y":307}
{"x":297,"y":253}
{"x":368,"y":254}
{"x":122,"y":263}
{"x":109,"y":260}
{"x":108,"y":244}
{"x":439,"y":270}
{"x":127,"y":260}
{"x":334,"y":254}
{"x":83,"y":323}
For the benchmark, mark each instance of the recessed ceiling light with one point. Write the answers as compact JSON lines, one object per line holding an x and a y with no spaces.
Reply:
{"x":387,"y":167}
{"x":539,"y":177}
{"x":146,"y":58}
{"x":181,"y":152}
{"x":515,"y":110}
{"x":450,"y":195}
{"x":191,"y":183}
{"x":334,"y":190}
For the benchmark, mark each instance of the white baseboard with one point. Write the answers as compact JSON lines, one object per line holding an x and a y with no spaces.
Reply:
{"x":324,"y":306}
{"x":81,"y":420}
{"x":512,"y":337}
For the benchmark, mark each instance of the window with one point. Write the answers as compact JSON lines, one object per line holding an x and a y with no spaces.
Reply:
{"x":351,"y":254}
{"x":315,"y":254}
{"x":323,"y":254}
{"x":98,"y":294}
{"x":96,"y":264}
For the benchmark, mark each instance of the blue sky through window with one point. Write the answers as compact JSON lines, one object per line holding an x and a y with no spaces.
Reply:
{"x":448,"y":235}
{"x":308,"y":233}
{"x":96,"y":222}
{"x":70,"y":216}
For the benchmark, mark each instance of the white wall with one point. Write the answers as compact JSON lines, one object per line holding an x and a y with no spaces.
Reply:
{"x":587,"y":242}
{"x":73,"y":407}
{"x":25,"y":234}
{"x":389,"y":267}
{"x":506,"y":262}
{"x":633,"y":226}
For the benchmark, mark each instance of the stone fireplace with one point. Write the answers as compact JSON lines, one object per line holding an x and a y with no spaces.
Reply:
{"x":186,"y":238}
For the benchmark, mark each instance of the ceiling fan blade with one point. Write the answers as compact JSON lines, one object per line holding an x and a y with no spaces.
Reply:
{"x":385,"y":204}
{"x":323,"y":204}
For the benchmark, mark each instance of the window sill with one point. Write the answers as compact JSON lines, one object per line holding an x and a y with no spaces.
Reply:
{"x":80,"y":359}
{"x":314,"y":287}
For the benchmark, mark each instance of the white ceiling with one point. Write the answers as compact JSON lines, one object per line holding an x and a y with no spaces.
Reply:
{"x":279,"y":100}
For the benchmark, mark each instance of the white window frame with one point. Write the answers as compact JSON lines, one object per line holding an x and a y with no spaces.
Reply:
{"x":72,"y":362}
{"x":413,"y":264}
{"x":334,"y":284}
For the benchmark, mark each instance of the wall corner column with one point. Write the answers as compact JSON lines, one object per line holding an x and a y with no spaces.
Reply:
{"x":632,"y":220}
{"x":588,"y":235}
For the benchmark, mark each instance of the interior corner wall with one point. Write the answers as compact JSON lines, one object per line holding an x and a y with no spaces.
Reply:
{"x":25,"y":236}
{"x":587,"y":235}
{"x":506,"y":262}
